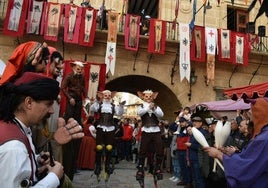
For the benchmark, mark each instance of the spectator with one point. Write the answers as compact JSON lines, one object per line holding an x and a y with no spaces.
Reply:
{"x":183,"y":137}
{"x":137,"y":136}
{"x":240,"y":139}
{"x":127,"y":139}
{"x":174,"y":128}
{"x":251,"y":164}
{"x":166,"y":136}
{"x":196,"y":161}
{"x":186,"y":113}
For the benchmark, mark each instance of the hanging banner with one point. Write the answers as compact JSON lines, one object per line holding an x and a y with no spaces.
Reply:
{"x":132,"y":32}
{"x":36,"y":9}
{"x":185,"y":65}
{"x":157,"y":36}
{"x":53,"y":17}
{"x":241,"y":48}
{"x":15,"y":18}
{"x":225,"y":45}
{"x":198,"y":48}
{"x":88,"y":27}
{"x":211,"y":43}
{"x":110,"y":57}
{"x":72,"y":23}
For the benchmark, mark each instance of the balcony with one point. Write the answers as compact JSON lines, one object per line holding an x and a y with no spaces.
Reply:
{"x":258,"y":45}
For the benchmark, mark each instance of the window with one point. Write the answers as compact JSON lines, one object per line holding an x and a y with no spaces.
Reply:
{"x":146,"y":9}
{"x":237,"y":19}
{"x":143,"y":7}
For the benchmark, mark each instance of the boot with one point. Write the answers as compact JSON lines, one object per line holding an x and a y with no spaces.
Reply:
{"x":109,"y":170}
{"x":97,"y":170}
{"x":140,"y":173}
{"x":157,"y":172}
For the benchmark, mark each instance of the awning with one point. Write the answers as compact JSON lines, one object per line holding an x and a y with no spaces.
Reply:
{"x":246,"y":92}
{"x":222,"y":108}
{"x":225,"y":105}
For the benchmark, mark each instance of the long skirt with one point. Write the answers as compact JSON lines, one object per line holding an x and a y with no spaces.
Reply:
{"x":87,"y":153}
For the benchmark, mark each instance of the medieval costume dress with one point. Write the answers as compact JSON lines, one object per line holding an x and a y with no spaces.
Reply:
{"x":87,"y":152}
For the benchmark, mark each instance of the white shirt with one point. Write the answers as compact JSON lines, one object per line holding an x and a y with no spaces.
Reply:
{"x":107,"y":107}
{"x":158,"y":113}
{"x":15,"y":164}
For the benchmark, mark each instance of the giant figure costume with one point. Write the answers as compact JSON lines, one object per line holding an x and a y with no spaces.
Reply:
{"x":151,"y":135}
{"x":105,"y":136}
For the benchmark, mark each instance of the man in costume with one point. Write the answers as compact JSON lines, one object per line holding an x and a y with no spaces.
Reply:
{"x":73,"y":87}
{"x":248,"y":168}
{"x":29,"y":100}
{"x":32,"y":56}
{"x":151,"y":135}
{"x":105,"y":135}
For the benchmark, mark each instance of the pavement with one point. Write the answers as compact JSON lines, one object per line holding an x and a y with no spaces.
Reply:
{"x":123,"y":177}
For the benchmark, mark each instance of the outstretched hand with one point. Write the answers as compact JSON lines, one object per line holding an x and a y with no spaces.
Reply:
{"x":66,"y":132}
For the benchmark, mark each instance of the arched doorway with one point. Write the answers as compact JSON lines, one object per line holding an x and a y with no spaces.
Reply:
{"x":166,"y":99}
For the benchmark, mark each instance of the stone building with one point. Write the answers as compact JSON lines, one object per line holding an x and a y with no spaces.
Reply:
{"x":141,"y":70}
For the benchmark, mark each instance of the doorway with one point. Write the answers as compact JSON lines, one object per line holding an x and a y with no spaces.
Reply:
{"x":166,"y":99}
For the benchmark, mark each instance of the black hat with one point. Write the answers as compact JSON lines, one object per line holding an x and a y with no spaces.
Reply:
{"x":37,"y":86}
{"x":182,"y":119}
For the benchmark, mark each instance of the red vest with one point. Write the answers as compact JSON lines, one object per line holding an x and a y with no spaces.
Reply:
{"x":10,"y":131}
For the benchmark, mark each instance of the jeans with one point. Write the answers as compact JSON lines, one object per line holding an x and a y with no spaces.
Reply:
{"x":197,"y":175}
{"x":176,"y":167}
{"x":185,"y":169}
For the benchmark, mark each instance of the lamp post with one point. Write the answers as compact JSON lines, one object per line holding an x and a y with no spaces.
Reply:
{"x":193,"y":79}
{"x":208,"y":6}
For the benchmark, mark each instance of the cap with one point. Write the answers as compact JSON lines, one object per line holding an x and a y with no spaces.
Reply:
{"x":37,"y":86}
{"x":211,"y":120}
{"x":197,"y":118}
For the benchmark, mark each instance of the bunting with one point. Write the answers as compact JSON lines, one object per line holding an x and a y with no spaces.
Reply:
{"x":211,"y":43}
{"x":88,"y":27}
{"x":72,"y":23}
{"x":132,"y":32}
{"x":14,"y":23}
{"x":34,"y":17}
{"x":157,"y":36}
{"x":198,"y":50}
{"x":110,"y":57}
{"x":185,"y":66}
{"x":52,"y":25}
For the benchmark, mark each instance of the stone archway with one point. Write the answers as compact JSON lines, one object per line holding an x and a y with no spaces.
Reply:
{"x":166,"y":99}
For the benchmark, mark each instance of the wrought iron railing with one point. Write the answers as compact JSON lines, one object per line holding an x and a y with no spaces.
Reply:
{"x":259,"y":45}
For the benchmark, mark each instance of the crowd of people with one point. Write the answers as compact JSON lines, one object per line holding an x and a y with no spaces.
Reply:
{"x":30,"y":89}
